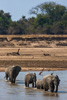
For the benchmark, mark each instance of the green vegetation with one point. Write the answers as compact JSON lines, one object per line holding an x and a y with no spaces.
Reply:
{"x":51,"y":18}
{"x":5,"y":20}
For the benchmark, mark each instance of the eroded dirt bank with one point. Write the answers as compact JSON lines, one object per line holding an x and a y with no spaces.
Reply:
{"x":35,"y":65}
{"x":33,"y":41}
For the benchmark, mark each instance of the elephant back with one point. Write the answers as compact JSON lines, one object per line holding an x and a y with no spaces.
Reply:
{"x":47,"y":77}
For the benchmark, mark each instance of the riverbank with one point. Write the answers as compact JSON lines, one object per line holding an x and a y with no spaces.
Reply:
{"x":33,"y":41}
{"x":34,"y":65}
{"x":34,"y":59}
{"x":37,"y":69}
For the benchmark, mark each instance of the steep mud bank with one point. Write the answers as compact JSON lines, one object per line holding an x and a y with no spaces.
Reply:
{"x":45,"y":41}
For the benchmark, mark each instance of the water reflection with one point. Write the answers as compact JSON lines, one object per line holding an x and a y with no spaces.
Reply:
{"x":62,"y":91}
{"x":20,"y":82}
{"x":30,"y":91}
{"x":48,"y":94}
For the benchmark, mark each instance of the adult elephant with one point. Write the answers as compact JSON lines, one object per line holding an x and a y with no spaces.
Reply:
{"x":39,"y":84}
{"x":51,"y":82}
{"x":30,"y":78}
{"x":12,"y":72}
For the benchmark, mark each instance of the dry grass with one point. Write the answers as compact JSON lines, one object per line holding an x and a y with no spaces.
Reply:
{"x":32,"y":36}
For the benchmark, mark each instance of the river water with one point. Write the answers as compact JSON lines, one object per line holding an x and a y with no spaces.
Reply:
{"x":18,"y":91}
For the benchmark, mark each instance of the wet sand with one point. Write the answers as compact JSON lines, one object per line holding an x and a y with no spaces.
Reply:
{"x":34,"y":59}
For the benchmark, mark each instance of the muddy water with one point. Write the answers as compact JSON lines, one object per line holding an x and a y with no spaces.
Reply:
{"x":18,"y":91}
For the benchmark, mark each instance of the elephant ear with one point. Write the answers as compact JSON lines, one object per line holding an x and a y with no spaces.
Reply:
{"x":57,"y":78}
{"x":35,"y":74}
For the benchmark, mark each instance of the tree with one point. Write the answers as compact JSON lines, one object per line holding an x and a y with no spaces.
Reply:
{"x":15,"y":29}
{"x":41,"y":20}
{"x":51,"y":17}
{"x":55,"y":11}
{"x":5,"y":20}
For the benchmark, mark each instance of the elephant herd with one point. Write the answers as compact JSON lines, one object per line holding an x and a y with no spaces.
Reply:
{"x":48,"y":82}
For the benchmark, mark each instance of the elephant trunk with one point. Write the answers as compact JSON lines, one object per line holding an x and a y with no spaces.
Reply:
{"x":35,"y":78}
{"x":56,"y":88}
{"x":35,"y":81}
{"x":35,"y":84}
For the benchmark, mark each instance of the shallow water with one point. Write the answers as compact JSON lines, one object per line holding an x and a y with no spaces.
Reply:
{"x":18,"y":91}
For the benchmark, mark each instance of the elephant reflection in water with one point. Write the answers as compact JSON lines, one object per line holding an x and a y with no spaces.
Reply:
{"x":51,"y":94}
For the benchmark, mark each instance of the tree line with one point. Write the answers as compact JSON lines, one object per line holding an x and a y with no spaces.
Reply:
{"x":50,"y":18}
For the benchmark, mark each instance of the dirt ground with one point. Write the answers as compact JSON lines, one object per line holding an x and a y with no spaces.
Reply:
{"x":34,"y":58}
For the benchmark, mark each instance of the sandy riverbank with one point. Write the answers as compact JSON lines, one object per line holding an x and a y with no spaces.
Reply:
{"x":31,"y":59}
{"x":36,"y":69}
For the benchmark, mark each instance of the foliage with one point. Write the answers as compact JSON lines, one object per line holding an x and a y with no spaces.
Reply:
{"x":51,"y":18}
{"x":5,"y":20}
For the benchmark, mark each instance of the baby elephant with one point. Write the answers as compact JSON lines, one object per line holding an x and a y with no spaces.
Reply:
{"x":12,"y":72}
{"x":30,"y":78}
{"x":39,"y":84}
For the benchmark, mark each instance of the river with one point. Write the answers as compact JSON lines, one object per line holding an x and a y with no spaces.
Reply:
{"x":18,"y":91}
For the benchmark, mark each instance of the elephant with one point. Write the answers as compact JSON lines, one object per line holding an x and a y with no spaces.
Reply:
{"x":39,"y":84}
{"x":30,"y":78}
{"x":50,"y":82}
{"x":12,"y":72}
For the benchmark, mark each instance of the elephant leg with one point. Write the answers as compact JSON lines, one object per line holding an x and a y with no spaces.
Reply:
{"x":6,"y":76}
{"x":56,"y":88}
{"x":27,"y":84}
{"x":46,"y":89}
{"x":51,"y":87}
{"x":14,"y":80}
{"x":38,"y":87}
{"x":33,"y":84}
{"x":11,"y":80}
{"x":41,"y":87}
